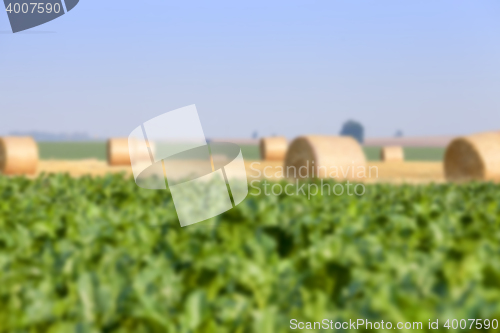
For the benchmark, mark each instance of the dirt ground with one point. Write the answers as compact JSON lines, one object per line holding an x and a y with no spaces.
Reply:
{"x":377,"y":172}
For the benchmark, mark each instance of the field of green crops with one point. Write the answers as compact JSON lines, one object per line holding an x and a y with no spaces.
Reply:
{"x":97,"y":150}
{"x":102,"y":255}
{"x":72,"y":150}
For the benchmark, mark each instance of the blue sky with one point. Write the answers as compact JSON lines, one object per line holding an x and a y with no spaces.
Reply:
{"x":426,"y":67}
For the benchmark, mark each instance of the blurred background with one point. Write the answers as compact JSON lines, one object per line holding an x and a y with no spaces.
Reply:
{"x":409,"y":88}
{"x":417,"y":68}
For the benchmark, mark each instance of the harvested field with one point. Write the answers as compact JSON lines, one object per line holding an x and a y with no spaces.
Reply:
{"x":251,"y":151}
{"x":408,"y":172}
{"x":401,"y":172}
{"x":78,"y":168}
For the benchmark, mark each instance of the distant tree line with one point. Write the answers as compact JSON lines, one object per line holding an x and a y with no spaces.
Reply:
{"x":354,"y":129}
{"x":47,"y":136}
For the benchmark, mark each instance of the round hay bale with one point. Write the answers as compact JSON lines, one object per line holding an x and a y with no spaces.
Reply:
{"x":339,"y":157}
{"x":18,"y":156}
{"x":392,"y":154}
{"x":117,"y":151}
{"x":273,"y":148}
{"x":474,"y":157}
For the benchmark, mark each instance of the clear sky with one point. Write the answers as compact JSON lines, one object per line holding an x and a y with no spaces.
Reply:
{"x":427,"y":67}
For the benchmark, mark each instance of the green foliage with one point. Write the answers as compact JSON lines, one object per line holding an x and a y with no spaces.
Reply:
{"x":430,"y":154}
{"x":72,"y":150}
{"x":102,"y":255}
{"x":82,"y":150}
